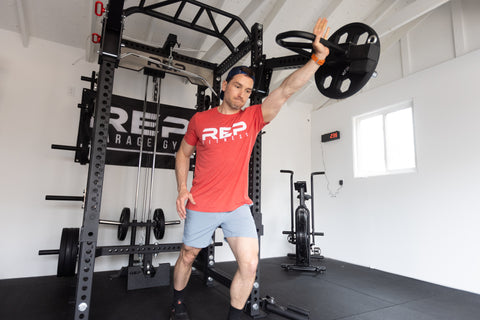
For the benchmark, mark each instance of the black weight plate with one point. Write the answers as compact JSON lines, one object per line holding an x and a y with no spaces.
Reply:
{"x":158,"y":224}
{"x":302,"y":236}
{"x":67,"y":255}
{"x":343,"y":75}
{"x":61,"y":253}
{"x":124,"y":224}
{"x":71,"y":260}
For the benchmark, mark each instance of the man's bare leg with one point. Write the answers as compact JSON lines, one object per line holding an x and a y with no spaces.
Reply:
{"x":246,"y":254}
{"x":181,"y":275}
{"x":183,"y":266}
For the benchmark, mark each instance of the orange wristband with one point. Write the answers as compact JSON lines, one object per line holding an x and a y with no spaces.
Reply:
{"x":317,"y":60}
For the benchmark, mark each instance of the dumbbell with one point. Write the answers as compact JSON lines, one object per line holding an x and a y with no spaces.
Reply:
{"x":124,"y":223}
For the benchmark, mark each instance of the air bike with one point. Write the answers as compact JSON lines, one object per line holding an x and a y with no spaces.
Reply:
{"x":302,"y":233}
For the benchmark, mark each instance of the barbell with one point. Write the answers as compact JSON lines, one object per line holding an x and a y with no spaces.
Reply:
{"x":354,"y":54}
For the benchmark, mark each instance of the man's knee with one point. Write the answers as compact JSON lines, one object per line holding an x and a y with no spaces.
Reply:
{"x":249,"y":266}
{"x":188,"y":254}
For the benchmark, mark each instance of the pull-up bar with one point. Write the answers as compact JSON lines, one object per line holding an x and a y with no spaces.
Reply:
{"x":213,"y":31}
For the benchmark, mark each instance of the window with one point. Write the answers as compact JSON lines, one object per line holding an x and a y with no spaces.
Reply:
{"x":384,"y":141}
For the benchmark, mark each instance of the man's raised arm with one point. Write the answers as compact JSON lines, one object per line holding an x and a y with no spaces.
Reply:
{"x":275,"y":100}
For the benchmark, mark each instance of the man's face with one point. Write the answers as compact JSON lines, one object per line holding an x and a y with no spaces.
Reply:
{"x":237,"y":91}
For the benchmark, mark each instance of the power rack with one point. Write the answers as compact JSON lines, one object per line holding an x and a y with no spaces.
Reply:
{"x":117,"y":52}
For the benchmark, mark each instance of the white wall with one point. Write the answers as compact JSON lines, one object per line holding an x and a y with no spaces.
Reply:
{"x":425,"y":224}
{"x":285,"y":145}
{"x":40,"y":88}
{"x":445,"y":33}
{"x":420,"y":225}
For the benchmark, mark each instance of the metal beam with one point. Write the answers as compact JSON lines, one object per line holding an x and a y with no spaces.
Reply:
{"x":406,"y":15}
{"x":380,"y":12}
{"x":331,"y":8}
{"x":458,"y":27}
{"x":405,"y":55}
{"x":202,"y":37}
{"x":22,"y":24}
{"x":214,"y":31}
{"x":268,"y":21}
{"x":150,"y":30}
{"x":273,"y":13}
{"x":401,"y":33}
{"x":219,"y":45}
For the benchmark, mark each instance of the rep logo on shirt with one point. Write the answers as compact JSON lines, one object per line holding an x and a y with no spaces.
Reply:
{"x":224,"y":133}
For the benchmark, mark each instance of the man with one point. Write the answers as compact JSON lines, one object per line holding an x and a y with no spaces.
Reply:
{"x":223,"y":138}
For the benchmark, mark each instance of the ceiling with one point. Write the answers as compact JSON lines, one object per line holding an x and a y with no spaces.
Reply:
{"x":72,"y":22}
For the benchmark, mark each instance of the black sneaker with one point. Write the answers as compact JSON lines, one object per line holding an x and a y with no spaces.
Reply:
{"x":179,"y":312}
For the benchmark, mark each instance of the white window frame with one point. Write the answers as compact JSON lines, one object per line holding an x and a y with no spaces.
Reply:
{"x":361,"y":173}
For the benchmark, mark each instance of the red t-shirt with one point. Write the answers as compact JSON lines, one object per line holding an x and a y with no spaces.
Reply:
{"x":223,"y":145}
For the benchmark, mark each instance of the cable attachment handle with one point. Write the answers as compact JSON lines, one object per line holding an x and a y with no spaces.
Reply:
{"x":96,"y":38}
{"x":99,"y":8}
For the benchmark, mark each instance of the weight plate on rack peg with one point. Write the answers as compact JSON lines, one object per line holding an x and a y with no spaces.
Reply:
{"x":124,"y":224}
{"x":158,"y":224}
{"x":68,"y":252}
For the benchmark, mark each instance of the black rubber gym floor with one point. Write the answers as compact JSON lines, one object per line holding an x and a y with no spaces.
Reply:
{"x":344,"y":291}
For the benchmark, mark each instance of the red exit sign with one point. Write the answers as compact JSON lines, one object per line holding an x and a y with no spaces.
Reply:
{"x":330,"y":136}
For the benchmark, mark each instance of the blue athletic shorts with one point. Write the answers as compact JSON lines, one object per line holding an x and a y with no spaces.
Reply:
{"x":200,"y":226}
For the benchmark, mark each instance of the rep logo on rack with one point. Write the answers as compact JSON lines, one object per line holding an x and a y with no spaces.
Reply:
{"x":125,"y":132}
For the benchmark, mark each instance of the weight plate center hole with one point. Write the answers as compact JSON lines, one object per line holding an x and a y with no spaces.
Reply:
{"x":372,"y":39}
